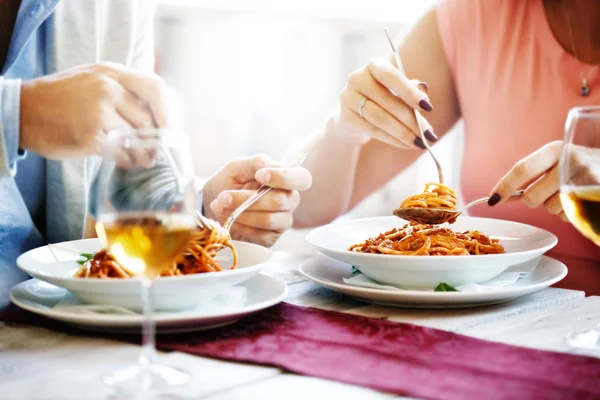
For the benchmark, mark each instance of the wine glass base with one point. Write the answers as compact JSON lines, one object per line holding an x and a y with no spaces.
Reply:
{"x":585,"y":340}
{"x":148,"y":378}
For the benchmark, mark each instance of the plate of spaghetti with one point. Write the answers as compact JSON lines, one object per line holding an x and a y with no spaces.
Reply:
{"x":92,"y":274}
{"x":419,"y":256}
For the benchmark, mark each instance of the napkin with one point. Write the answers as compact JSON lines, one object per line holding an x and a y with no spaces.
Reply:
{"x":398,"y":358}
{"x":510,"y":276}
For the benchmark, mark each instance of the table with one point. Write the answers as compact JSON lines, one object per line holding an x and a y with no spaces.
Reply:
{"x":38,"y":364}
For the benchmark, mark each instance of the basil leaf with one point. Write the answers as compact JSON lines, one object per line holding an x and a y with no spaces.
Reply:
{"x":355,"y":271}
{"x":444,"y":287}
{"x":85,"y":257}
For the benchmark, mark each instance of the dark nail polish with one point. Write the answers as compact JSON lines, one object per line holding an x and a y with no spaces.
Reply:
{"x":419,"y":143}
{"x":494,"y":199}
{"x":425,"y":105}
{"x":430,"y":135}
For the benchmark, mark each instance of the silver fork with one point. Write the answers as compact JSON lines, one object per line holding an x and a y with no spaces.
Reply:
{"x":401,"y":68}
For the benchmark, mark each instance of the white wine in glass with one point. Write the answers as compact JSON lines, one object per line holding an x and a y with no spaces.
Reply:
{"x":145,"y":242}
{"x":143,"y":200}
{"x":579,"y":168}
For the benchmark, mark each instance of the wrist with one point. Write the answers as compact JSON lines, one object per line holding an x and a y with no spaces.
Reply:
{"x":342,"y":135}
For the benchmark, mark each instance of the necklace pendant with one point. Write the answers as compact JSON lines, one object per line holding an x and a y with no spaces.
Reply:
{"x":585,"y":89}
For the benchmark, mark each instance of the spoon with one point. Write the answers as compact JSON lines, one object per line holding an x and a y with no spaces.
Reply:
{"x":291,"y":160}
{"x":417,"y":115}
{"x":435,"y":216}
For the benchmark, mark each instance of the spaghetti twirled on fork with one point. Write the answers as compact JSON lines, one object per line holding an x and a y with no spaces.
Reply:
{"x":435,"y":195}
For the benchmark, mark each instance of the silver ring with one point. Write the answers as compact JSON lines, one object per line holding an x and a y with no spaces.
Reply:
{"x":143,"y":103}
{"x":360,"y":106}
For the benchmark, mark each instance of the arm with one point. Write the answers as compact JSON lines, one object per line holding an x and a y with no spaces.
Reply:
{"x":346,"y":167}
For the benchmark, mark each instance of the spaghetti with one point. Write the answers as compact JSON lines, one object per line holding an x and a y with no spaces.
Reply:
{"x":429,"y":240}
{"x":435,"y":195}
{"x":199,"y":256}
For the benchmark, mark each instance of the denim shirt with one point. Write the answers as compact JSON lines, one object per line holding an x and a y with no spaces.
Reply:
{"x":23,"y":190}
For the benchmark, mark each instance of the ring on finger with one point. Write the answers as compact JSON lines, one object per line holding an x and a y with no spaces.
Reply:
{"x":360,"y":107}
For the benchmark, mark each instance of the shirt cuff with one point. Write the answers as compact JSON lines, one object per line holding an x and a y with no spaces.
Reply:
{"x":10,"y":105}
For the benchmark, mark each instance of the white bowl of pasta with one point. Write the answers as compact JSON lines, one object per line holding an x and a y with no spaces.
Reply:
{"x":58,"y":264}
{"x":418,"y":257}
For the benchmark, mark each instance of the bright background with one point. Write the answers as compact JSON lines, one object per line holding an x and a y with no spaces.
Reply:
{"x":255,"y":76}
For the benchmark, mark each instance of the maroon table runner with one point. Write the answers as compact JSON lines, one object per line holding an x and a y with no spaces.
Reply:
{"x":393,"y":357}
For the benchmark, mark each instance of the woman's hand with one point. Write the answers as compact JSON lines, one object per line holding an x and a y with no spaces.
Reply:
{"x":270,"y":216}
{"x":386,"y":99}
{"x":538,"y":173}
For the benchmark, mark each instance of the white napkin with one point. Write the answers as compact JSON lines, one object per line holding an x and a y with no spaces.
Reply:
{"x":508,"y":277}
{"x":230,"y":298}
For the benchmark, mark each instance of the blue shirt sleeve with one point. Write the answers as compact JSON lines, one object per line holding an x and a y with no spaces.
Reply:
{"x":10,"y":104}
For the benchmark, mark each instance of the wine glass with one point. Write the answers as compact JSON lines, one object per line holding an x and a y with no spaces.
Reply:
{"x":143,"y":200}
{"x":579,"y":168}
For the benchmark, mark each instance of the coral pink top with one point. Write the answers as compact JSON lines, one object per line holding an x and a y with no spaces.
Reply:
{"x":515,"y":85}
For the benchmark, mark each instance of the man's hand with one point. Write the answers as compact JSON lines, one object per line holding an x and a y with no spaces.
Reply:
{"x":68,"y":114}
{"x":270,"y":216}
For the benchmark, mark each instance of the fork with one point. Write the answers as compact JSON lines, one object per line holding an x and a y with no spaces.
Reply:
{"x":417,"y":115}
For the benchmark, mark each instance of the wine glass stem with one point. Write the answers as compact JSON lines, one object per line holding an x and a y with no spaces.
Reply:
{"x":148,"y":353}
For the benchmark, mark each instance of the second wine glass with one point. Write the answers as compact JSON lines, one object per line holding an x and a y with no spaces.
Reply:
{"x":579,"y":168}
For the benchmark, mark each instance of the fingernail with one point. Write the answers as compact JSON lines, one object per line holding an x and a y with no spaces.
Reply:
{"x":494,"y":199}
{"x":263,"y":176}
{"x":430,"y":135}
{"x":425,"y":105}
{"x":424,"y":86}
{"x":419,"y":143}
{"x":225,"y":200}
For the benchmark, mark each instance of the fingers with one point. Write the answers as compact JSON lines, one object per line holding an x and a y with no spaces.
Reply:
{"x":527,"y":170}
{"x":297,"y":178}
{"x":243,"y":169}
{"x":131,"y":109}
{"x":543,"y":189}
{"x":564,"y":217}
{"x":422,"y":86}
{"x":388,"y":101}
{"x":273,"y":212}
{"x":361,"y":124}
{"x":392,"y":78}
{"x":147,"y":87}
{"x":553,"y":204}
{"x":379,"y":118}
{"x":262,"y":237}
{"x":274,"y":201}
{"x":384,"y":110}
{"x":268,"y":221}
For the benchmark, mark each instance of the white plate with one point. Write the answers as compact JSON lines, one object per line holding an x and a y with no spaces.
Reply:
{"x":171,"y":293}
{"x":331,"y":273}
{"x":521,"y":242}
{"x":39,"y":297}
